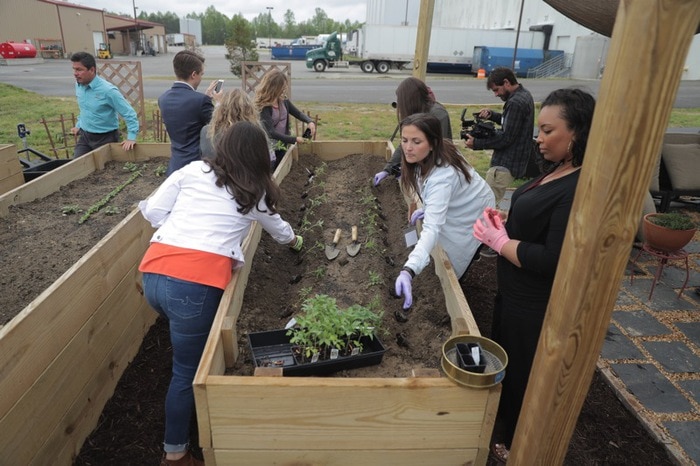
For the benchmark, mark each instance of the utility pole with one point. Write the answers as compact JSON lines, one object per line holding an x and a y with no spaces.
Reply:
{"x":136,"y":27}
{"x":269,"y":26}
{"x":517,"y":34}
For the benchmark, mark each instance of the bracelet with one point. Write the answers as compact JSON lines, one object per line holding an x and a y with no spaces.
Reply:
{"x":410,"y":271}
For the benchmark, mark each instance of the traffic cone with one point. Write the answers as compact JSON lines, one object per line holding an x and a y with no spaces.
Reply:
{"x":481,"y":74}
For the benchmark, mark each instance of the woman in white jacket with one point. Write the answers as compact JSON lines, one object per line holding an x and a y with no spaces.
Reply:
{"x":453,"y":197}
{"x":203,"y":212}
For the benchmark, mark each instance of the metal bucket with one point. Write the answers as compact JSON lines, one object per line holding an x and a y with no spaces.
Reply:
{"x":495,"y":356}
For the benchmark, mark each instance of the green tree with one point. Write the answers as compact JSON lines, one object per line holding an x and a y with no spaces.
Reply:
{"x":289,"y":26}
{"x":169,"y":20}
{"x":240,"y":44}
{"x":321,"y":22}
{"x":214,"y":25}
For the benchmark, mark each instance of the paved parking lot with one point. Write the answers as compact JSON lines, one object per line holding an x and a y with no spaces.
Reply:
{"x":54,"y":78}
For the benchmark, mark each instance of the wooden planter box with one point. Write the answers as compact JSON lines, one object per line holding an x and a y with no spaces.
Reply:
{"x":269,"y":419}
{"x":10,"y":169}
{"x":64,"y":353}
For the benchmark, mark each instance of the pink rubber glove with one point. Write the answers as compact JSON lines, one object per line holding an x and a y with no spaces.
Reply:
{"x":403,"y":288}
{"x":379,"y":177}
{"x":417,"y":215}
{"x":491,"y":232}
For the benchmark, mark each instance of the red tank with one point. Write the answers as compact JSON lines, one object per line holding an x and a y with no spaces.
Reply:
{"x":17,"y":50}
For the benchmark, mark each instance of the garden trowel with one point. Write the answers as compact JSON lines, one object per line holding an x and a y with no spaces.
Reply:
{"x":332,"y":250}
{"x":354,"y":247}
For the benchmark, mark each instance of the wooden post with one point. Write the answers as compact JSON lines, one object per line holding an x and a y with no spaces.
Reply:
{"x":425,"y":24}
{"x":650,"y":41}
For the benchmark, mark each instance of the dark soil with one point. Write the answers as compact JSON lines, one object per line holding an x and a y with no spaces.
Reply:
{"x":131,"y":426}
{"x":40,"y":240}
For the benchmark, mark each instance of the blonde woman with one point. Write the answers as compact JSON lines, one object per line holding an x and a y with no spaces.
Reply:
{"x":235,"y":106}
{"x":274,"y":107}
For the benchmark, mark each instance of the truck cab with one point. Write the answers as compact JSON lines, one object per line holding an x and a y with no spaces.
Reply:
{"x":327,"y":56}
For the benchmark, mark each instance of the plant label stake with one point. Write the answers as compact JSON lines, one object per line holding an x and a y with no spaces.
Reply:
{"x":354,"y":247}
{"x":332,"y":250}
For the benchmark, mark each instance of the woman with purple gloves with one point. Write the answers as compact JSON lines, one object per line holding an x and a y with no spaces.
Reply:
{"x":452,"y":193}
{"x":413,"y":96}
{"x":529,"y":245}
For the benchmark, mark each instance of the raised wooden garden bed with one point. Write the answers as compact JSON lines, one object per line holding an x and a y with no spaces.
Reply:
{"x":271,"y":419}
{"x":64,"y":353}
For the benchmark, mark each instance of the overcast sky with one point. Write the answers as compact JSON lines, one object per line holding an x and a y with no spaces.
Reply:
{"x":337,"y":10}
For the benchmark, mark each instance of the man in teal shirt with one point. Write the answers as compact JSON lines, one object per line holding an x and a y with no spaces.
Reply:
{"x":100,"y":103}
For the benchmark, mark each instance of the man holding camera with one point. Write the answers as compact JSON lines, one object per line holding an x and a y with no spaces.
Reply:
{"x":512,"y":145}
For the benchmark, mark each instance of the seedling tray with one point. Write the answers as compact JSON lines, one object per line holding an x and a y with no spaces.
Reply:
{"x":273,"y":349}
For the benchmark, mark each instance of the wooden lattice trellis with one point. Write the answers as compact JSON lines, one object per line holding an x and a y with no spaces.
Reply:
{"x":127,"y":76}
{"x":253,"y":71}
{"x":61,"y":139}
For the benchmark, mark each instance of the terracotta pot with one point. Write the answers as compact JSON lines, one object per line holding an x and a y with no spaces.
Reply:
{"x":665,"y":239}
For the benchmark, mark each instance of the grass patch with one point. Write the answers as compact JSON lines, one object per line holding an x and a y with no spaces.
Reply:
{"x":337,"y":121}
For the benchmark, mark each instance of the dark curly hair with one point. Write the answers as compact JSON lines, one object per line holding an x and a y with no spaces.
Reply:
{"x":577,"y":108}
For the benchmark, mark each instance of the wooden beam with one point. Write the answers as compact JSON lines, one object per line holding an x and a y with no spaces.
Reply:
{"x":649,"y":44}
{"x":425,"y":24}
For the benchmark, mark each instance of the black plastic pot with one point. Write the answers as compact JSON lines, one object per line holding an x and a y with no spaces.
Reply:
{"x":273,"y":349}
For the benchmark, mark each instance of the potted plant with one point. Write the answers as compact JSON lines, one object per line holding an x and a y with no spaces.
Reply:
{"x":668,"y":231}
{"x":324,"y":339}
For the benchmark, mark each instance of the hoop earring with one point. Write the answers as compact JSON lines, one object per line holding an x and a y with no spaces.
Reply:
{"x":568,"y":149}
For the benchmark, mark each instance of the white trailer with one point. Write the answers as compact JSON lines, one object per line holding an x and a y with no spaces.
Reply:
{"x":383,"y":47}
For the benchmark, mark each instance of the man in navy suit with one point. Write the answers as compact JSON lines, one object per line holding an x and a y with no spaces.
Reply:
{"x":184,"y":110}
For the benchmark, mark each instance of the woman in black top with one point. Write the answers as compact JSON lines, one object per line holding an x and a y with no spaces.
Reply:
{"x":529,"y":245}
{"x":275,"y":111}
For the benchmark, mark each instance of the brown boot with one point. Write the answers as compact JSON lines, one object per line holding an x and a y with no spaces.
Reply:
{"x":187,"y":460}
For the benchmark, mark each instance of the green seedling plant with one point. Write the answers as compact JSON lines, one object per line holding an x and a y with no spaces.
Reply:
{"x":160,"y":170}
{"x":323,"y":326}
{"x":96,"y":207}
{"x":320,"y":272}
{"x":71,"y":209}
{"x":111,"y":210}
{"x":370,"y":219}
{"x":375,"y":279}
{"x":130,"y":167}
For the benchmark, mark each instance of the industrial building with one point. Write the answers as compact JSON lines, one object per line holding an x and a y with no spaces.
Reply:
{"x":57,"y":29}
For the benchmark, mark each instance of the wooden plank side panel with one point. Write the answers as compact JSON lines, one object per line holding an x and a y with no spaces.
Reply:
{"x":43,"y":329}
{"x":11,"y":175}
{"x":82,"y":418}
{"x":460,"y":313}
{"x":338,"y":457}
{"x":141,"y":152}
{"x":64,"y":403}
{"x":334,"y":150}
{"x":48,"y":183}
{"x":355,"y":414}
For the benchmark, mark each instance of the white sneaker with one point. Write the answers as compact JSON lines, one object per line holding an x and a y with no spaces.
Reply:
{"x":488,"y":252}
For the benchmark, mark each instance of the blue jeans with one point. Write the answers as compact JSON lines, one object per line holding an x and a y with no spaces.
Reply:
{"x":190,"y":309}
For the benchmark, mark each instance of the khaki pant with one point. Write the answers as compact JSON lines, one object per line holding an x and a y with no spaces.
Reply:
{"x":499,"y":178}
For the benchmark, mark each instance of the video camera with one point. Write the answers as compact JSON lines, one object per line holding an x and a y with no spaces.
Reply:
{"x":477,"y":128}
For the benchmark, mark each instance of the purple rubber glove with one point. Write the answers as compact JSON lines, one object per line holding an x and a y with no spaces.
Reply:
{"x":379,"y":177}
{"x":491,"y":232}
{"x":417,"y":214}
{"x":403,"y":288}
